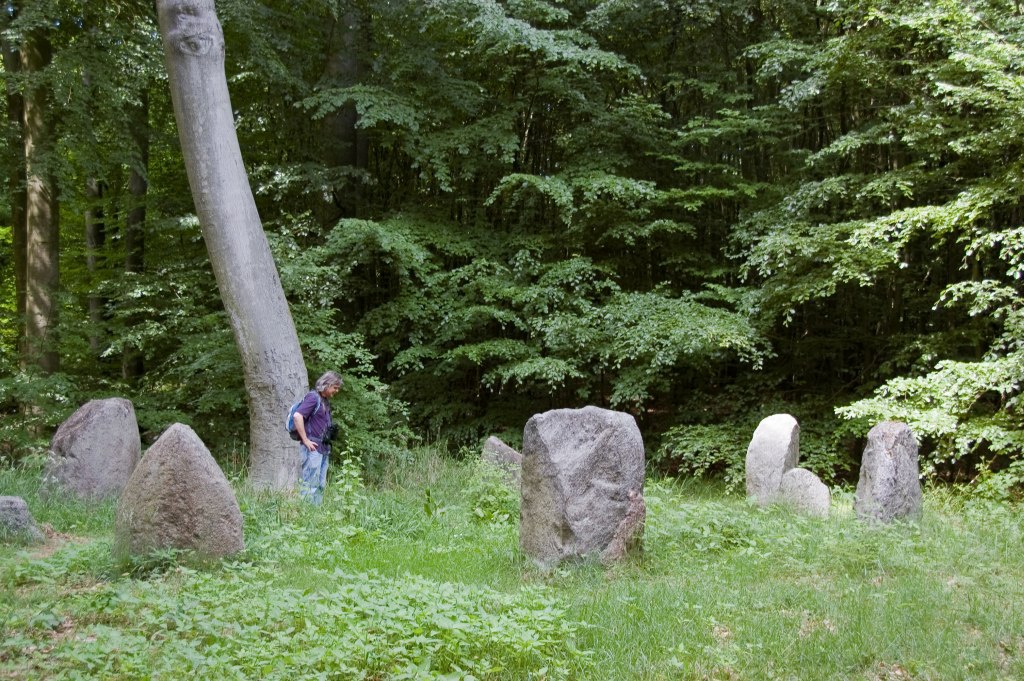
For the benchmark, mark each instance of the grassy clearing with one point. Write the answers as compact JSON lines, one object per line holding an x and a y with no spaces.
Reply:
{"x":421,"y":577}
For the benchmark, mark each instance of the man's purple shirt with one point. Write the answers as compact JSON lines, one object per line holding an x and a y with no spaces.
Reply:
{"x":315,"y":423}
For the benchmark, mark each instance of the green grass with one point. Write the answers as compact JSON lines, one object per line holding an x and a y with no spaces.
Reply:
{"x":393,"y":582}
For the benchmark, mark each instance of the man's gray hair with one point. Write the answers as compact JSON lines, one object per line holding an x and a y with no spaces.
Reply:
{"x":328,"y":380}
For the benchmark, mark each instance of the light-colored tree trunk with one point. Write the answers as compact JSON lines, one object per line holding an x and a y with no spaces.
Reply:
{"x":246,"y":275}
{"x":42,"y":213}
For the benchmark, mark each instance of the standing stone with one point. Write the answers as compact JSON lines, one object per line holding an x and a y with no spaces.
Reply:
{"x":805,"y":492}
{"x":178,"y":498}
{"x":579,"y":467}
{"x":774,"y":450}
{"x":16,"y":521}
{"x":94,"y":452}
{"x":889,"y":487}
{"x":504,"y":458}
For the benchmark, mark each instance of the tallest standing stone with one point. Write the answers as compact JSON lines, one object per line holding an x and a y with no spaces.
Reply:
{"x":178,"y":498}
{"x":579,"y":467}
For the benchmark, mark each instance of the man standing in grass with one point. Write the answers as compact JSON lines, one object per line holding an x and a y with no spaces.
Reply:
{"x":316,"y":429}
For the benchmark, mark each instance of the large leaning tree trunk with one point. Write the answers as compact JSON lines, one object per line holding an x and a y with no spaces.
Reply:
{"x":242,"y":263}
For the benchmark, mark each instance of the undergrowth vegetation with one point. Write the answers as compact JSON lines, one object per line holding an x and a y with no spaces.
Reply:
{"x":419,"y":576}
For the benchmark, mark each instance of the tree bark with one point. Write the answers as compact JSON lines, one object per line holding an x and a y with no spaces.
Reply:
{"x":16,"y":191}
{"x":138,"y":187}
{"x":249,"y":285}
{"x":42,"y":213}
{"x":132,"y":364}
{"x":95,"y":237}
{"x":344,"y":145}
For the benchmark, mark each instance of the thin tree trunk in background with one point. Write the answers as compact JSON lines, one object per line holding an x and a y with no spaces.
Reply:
{"x":346,"y":147}
{"x":95,"y":238}
{"x":95,"y":263}
{"x":132,"y":366}
{"x":16,"y":192}
{"x":42,"y":214}
{"x":250,"y":288}
{"x":138,"y":186}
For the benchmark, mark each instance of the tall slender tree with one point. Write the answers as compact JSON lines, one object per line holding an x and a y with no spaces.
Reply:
{"x":42,"y":211}
{"x":345,"y":146}
{"x":132,"y":364}
{"x":16,"y":178}
{"x":95,"y":237}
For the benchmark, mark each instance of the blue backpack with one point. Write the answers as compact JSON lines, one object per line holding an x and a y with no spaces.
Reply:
{"x":289,"y":423}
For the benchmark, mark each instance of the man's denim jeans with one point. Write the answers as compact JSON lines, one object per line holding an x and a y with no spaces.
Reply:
{"x":313,"y":476}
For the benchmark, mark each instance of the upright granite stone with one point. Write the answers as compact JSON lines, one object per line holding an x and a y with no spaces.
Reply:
{"x":16,"y":521}
{"x":94,"y":452}
{"x":774,"y":450}
{"x":504,"y":458}
{"x":178,"y":498}
{"x":805,"y":492}
{"x":889,"y":487}
{"x":579,"y":467}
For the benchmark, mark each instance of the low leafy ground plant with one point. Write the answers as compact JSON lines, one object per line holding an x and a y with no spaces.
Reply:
{"x":377,"y":583}
{"x":242,"y":622}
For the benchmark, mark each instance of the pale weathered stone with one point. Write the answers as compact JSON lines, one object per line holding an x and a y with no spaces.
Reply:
{"x":504,"y":458}
{"x":805,"y":492}
{"x":579,"y":466}
{"x":889,"y":487}
{"x":16,"y":521}
{"x":629,"y":535}
{"x":774,"y":450}
{"x":94,"y":452}
{"x":178,"y":498}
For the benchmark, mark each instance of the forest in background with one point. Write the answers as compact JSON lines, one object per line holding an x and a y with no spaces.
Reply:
{"x":698,"y":212}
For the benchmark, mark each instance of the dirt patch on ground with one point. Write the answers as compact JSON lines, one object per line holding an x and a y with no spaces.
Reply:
{"x":890,"y":672}
{"x":53,"y":541}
